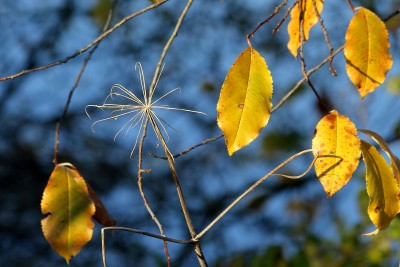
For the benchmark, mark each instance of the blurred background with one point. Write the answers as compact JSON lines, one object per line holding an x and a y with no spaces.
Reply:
{"x":281,"y":223}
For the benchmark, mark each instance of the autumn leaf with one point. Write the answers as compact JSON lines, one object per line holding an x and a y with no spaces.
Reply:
{"x":394,"y":161}
{"x":366,"y":50}
{"x":382,"y":188}
{"x":244,"y":103}
{"x":68,"y":208}
{"x":338,"y":148}
{"x":309,"y":17}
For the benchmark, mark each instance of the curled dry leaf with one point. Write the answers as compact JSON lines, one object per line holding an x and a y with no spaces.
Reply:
{"x":338,"y":147}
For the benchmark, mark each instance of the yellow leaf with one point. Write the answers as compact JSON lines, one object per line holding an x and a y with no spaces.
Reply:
{"x":382,"y":188}
{"x":394,"y":161}
{"x":244,"y":103}
{"x":68,"y":208}
{"x":338,"y":146}
{"x":307,"y":14}
{"x":366,"y":50}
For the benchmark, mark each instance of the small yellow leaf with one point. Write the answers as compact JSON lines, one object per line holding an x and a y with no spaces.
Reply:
{"x":68,"y":208}
{"x":382,"y":188}
{"x":338,"y":147}
{"x":366,"y":51}
{"x":307,"y":14}
{"x":394,"y":161}
{"x":244,"y":104}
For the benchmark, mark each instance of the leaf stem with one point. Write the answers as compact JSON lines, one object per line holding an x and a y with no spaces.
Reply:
{"x":251,"y":188}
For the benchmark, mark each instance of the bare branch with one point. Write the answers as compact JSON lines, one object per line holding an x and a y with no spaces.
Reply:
{"x":326,"y":37}
{"x":276,"y":11}
{"x":71,"y":92}
{"x":84,"y":49}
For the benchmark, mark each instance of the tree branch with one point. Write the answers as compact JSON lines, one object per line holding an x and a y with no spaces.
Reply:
{"x":84,"y":49}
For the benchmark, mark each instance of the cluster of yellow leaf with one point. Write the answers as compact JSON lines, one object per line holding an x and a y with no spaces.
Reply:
{"x":338,"y":148}
{"x":69,"y":204}
{"x":366,"y":48}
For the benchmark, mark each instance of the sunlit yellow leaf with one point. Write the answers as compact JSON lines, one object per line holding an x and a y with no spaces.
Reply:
{"x":366,"y":50}
{"x":394,"y":162}
{"x":245,"y":100}
{"x":68,"y":208}
{"x":309,"y":16}
{"x":382,"y":188}
{"x":338,"y":146}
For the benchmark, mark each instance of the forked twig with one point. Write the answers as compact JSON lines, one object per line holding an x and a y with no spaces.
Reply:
{"x":276,"y":11}
{"x":197,"y":248}
{"x":136,"y":231}
{"x":284,"y":17}
{"x":84,"y":49}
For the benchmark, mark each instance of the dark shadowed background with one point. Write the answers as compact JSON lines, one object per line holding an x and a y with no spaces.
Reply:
{"x":282,"y":223}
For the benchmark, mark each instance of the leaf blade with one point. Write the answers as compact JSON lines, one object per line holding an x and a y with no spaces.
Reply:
{"x":244,"y":105}
{"x":382,"y":188}
{"x":338,"y":148}
{"x":366,"y":51}
{"x":68,"y":225}
{"x":394,"y":161}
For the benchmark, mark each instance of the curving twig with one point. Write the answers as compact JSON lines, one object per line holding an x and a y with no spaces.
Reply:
{"x":77,"y":80}
{"x":84,"y":49}
{"x":251,"y":188}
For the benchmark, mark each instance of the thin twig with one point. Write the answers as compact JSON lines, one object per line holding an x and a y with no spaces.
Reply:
{"x":142,"y":194}
{"x":136,"y":231}
{"x":205,"y":142}
{"x":84,"y":49}
{"x":276,"y":11}
{"x":197,"y":248}
{"x":166,"y":48}
{"x":301,"y":81}
{"x":326,"y":37}
{"x":350,"y":5}
{"x":395,"y":13}
{"x":284,"y":17}
{"x":245,"y":193}
{"x":300,"y":175}
{"x":303,"y":67}
{"x":76,"y":83}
